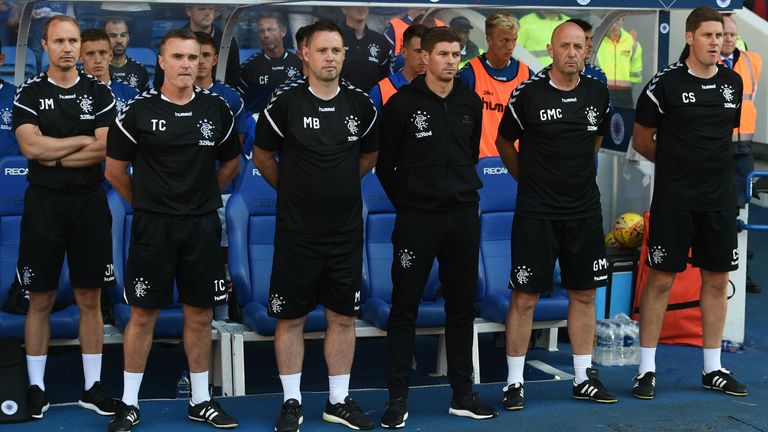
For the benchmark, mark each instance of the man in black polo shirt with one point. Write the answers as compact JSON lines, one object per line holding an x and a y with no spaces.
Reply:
{"x":274,"y":65}
{"x":173,"y":137}
{"x":684,"y":123}
{"x":61,"y":118}
{"x":560,"y":117}
{"x":122,"y":66}
{"x":368,"y":52}
{"x":324,"y":133}
{"x":430,"y":140}
{"x":201,"y":18}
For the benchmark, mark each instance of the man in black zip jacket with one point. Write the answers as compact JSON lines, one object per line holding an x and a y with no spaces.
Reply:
{"x":429,"y":146}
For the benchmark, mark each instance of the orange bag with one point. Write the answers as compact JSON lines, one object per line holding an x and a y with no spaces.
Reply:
{"x":682,"y":321}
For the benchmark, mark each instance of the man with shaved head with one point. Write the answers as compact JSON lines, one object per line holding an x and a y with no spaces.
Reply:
{"x":560,"y":116}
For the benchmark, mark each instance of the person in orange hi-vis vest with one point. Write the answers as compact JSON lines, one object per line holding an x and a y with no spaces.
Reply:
{"x":494,"y":75}
{"x":414,"y":65}
{"x":748,"y":65}
{"x":396,"y":28}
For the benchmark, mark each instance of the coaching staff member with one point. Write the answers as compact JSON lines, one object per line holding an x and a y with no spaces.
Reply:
{"x":560,"y":116}
{"x":430,"y":138}
{"x":173,"y":138}
{"x":61,"y":119}
{"x":684,"y":123}
{"x":324,"y":133}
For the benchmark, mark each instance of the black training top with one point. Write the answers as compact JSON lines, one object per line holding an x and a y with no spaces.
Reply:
{"x":557,"y":131}
{"x":132,"y":72}
{"x":261,"y":74}
{"x":366,"y":61}
{"x":174,"y":149}
{"x":319,"y":144}
{"x":695,"y":118}
{"x":429,"y":147}
{"x":63,"y":113}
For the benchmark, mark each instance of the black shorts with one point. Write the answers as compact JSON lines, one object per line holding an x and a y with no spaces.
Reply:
{"x":710,"y":234}
{"x":537,"y":243}
{"x":184,"y":248}
{"x":306,"y":273}
{"x":77,"y":223}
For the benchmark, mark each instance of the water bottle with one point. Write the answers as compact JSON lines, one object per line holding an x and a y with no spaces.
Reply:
{"x":183,"y":386}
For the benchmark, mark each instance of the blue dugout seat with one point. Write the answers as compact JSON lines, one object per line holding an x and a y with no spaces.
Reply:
{"x":379,"y":223}
{"x":251,"y":227}
{"x":13,"y":184}
{"x":497,"y":209}
{"x":170,"y":323}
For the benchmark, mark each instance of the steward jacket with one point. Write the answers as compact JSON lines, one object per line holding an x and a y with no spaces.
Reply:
{"x":429,"y":146}
{"x":748,"y":65}
{"x":622,"y":60}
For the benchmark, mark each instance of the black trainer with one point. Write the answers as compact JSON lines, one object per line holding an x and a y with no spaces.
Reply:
{"x":98,"y":399}
{"x":290,"y":417}
{"x":644,"y":385}
{"x":125,"y":418}
{"x":592,"y":389}
{"x":723,"y":380}
{"x":212,"y":413}
{"x":471,"y":406}
{"x":396,"y":414}
{"x":37,"y":402}
{"x":348,"y":414}
{"x":514,"y":397}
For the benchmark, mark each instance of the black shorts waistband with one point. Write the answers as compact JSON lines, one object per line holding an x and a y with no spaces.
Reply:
{"x":68,"y":189}
{"x":175,"y":217}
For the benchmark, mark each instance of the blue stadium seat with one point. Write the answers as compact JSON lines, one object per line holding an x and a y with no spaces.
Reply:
{"x":170,"y":323}
{"x":13,"y":184}
{"x":251,"y":228}
{"x":497,"y":209}
{"x":8,"y":69}
{"x":379,"y":223}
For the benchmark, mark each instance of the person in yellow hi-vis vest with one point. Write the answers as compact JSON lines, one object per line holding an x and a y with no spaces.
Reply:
{"x":494,"y":75}
{"x":748,"y":65}
{"x":621,"y":58}
{"x":536,"y":32}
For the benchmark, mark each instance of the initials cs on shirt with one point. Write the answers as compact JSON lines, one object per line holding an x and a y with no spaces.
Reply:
{"x":689,"y":97}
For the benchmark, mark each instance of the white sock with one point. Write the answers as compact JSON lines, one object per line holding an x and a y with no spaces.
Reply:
{"x":580,"y":365}
{"x":711,"y":360}
{"x":131,"y":384}
{"x":338,"y":386}
{"x":515,"y":366}
{"x":36,"y":370}
{"x":199,"y":381}
{"x":291,"y":386}
{"x":91,"y":369}
{"x":647,"y":360}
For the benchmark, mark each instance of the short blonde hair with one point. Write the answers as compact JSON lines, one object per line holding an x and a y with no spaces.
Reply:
{"x":503,"y":20}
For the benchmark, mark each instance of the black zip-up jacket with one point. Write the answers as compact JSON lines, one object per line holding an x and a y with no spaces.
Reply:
{"x":429,"y":147}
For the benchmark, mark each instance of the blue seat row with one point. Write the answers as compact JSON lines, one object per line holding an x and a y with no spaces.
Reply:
{"x":250,"y":217}
{"x":251,"y":223}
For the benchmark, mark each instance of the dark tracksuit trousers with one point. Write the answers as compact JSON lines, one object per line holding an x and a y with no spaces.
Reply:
{"x":453,"y":237}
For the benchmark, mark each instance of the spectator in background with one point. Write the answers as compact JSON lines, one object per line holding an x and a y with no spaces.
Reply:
{"x":367,"y":52}
{"x":8,"y":144}
{"x":621,"y":58}
{"x":396,"y":28}
{"x":40,"y":14}
{"x":121,"y":66}
{"x":263,"y":72}
{"x":415,"y":64}
{"x":748,"y":65}
{"x":201,"y":18}
{"x":589,"y":68}
{"x":138,"y":16}
{"x":536,"y":32}
{"x":95,"y":55}
{"x":494,"y":75}
{"x":469,"y":50}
